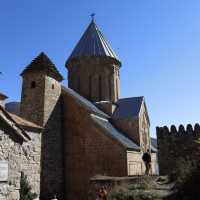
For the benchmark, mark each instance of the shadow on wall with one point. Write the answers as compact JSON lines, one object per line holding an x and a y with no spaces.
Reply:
{"x":52,"y":161}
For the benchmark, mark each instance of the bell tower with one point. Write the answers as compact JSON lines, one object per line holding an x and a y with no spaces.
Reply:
{"x":40,"y":90}
{"x":41,"y":104}
{"x":93,"y":67}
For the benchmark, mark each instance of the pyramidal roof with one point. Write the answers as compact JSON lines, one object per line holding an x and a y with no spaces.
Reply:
{"x":43,"y":63}
{"x":93,"y":43}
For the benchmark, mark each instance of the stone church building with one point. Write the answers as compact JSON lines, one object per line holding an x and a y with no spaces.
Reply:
{"x":60,"y":137}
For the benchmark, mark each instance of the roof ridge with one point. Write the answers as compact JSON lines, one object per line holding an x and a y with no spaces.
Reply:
{"x":85,"y":102}
{"x":132,"y":97}
{"x":114,"y":132}
{"x":17,"y":128}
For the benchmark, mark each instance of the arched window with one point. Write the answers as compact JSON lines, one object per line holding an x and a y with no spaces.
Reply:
{"x":78,"y":84}
{"x":100,"y":89}
{"x":52,"y":87}
{"x":33,"y":84}
{"x":90,"y":87}
{"x":109,"y":88}
{"x":116,"y":86}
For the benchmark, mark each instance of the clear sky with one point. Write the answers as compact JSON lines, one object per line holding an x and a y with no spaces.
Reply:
{"x":157,"y":41}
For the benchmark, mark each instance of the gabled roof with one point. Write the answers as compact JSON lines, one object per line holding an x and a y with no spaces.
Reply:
{"x":43,"y":63}
{"x":101,"y":119}
{"x":128,"y":108}
{"x":24,"y":123}
{"x":84,"y":102}
{"x":93,"y":43}
{"x":13,"y":125}
{"x":114,"y":133}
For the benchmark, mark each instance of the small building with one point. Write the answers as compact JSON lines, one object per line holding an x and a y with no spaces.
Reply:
{"x":20,"y":147}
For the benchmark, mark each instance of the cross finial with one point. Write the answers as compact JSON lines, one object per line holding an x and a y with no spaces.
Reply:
{"x":92,"y":16}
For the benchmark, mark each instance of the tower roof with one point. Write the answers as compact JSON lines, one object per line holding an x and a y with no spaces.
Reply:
{"x":93,"y":43}
{"x":43,"y":63}
{"x":3,"y":96}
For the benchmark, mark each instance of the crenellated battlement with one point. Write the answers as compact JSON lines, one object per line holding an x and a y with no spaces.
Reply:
{"x":175,"y":143}
{"x":179,"y":131}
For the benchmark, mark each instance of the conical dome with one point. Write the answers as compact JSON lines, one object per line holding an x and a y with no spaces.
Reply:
{"x":93,"y":43}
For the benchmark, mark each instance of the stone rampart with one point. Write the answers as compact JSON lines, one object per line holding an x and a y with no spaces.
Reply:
{"x":175,"y":144}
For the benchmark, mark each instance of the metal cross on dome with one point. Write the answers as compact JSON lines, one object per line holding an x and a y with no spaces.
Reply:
{"x":92,"y":16}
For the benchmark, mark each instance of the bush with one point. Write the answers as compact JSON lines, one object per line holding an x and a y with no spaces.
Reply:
{"x":187,"y":177}
{"x":188,"y":189}
{"x":25,"y":189}
{"x":182,"y":169}
{"x":132,"y":191}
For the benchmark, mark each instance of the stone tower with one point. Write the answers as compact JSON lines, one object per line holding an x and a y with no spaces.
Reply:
{"x":40,"y":90}
{"x":41,"y":104}
{"x":93,"y":67}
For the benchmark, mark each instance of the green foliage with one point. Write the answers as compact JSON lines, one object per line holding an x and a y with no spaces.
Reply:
{"x":145,"y":183}
{"x":186,"y":173}
{"x":125,"y":194}
{"x":188,"y":186}
{"x":25,"y":189}
{"x":133,"y":191}
{"x":182,"y":169}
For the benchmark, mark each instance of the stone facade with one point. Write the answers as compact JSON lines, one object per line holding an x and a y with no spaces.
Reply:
{"x":136,"y":128}
{"x":41,"y":104}
{"x":96,"y":78}
{"x":175,"y":144}
{"x":32,"y":97}
{"x":21,"y":157}
{"x":87,"y":151}
{"x":136,"y":167}
{"x":144,"y":126}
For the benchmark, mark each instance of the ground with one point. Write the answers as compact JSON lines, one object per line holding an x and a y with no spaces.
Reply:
{"x":134,"y":188}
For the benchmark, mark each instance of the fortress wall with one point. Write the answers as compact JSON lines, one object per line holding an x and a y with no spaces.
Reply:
{"x":175,"y":144}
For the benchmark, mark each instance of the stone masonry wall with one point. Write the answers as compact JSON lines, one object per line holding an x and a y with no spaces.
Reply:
{"x":135,"y":128}
{"x":32,"y":99}
{"x":97,"y":79}
{"x":41,"y":104}
{"x":136,"y":165}
{"x":21,"y":158}
{"x":88,"y":151}
{"x":176,"y":144}
{"x":130,"y":127}
{"x":144,"y":132}
{"x":52,"y":181}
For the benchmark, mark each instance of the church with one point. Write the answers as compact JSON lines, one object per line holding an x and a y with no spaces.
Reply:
{"x":60,"y":137}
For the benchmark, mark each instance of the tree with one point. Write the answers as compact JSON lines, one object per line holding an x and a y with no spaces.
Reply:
{"x":25,"y":189}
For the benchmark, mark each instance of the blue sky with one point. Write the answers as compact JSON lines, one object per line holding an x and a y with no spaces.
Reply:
{"x":157,"y":41}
